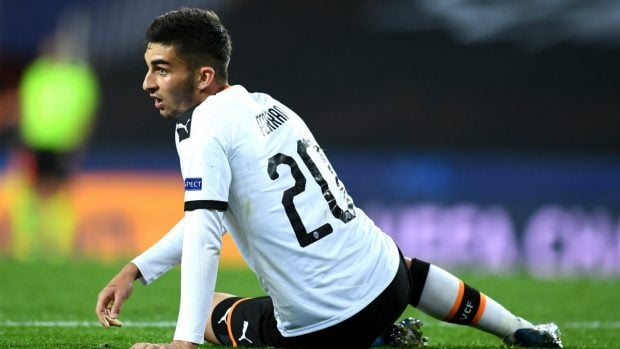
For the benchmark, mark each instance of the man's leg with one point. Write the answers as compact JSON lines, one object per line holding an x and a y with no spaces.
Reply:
{"x":444,"y":296}
{"x":218,"y":297}
{"x":236,"y":321}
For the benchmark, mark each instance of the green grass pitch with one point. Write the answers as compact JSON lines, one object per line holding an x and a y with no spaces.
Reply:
{"x":52,"y":306}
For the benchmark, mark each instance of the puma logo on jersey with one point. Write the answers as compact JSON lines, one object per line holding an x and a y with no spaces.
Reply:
{"x":224,"y":317}
{"x":183,"y":129}
{"x":245,"y":328}
{"x":269,"y":120}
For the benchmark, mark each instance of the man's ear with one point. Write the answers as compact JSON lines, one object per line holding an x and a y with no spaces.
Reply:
{"x":206,"y":77}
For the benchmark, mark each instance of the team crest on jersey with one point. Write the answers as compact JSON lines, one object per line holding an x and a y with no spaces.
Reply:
{"x":193,"y":183}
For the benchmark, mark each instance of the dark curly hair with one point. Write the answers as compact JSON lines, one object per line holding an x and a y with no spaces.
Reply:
{"x":198,"y":37}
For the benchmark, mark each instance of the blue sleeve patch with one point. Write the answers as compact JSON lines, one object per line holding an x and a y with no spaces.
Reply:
{"x":193,"y":183}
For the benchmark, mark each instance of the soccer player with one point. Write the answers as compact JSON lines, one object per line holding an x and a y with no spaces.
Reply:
{"x":252,"y":168}
{"x":59,"y":95}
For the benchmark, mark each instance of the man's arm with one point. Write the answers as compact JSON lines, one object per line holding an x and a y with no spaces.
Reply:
{"x":201,"y":251}
{"x":202,"y":241}
{"x":147,"y":267}
{"x":162,"y":256}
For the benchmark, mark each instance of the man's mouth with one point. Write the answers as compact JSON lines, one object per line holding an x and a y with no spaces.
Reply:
{"x":159,"y":104}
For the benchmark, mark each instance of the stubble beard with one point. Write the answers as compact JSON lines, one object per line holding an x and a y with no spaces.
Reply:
{"x":182,"y":98}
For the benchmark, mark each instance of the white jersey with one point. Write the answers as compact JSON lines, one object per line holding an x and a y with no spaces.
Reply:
{"x":319,"y":257}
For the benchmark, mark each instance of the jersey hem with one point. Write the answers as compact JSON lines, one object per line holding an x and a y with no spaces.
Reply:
{"x":335,"y":321}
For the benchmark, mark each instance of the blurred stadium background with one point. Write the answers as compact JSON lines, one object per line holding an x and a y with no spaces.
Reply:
{"x":480,"y":134}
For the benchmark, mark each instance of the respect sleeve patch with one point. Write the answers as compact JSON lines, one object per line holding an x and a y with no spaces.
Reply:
{"x":193,"y":184}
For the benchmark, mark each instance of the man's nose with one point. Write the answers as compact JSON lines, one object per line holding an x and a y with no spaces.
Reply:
{"x":149,"y":83}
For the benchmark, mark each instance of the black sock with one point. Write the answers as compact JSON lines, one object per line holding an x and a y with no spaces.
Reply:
{"x":419,"y":272}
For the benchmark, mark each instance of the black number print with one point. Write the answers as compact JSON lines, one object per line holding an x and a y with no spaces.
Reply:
{"x":304,"y":237}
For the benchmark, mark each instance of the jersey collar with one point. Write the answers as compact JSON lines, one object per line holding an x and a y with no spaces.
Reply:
{"x":186,"y":115}
{"x":183,"y":126}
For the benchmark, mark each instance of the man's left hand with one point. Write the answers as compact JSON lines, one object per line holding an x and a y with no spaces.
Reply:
{"x":172,"y":345}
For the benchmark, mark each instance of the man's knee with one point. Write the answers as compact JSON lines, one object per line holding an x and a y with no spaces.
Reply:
{"x":217,"y":313}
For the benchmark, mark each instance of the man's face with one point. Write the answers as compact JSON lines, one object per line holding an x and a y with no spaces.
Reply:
{"x":169,"y":81}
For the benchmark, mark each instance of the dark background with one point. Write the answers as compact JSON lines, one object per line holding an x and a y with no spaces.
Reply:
{"x":374,"y":74}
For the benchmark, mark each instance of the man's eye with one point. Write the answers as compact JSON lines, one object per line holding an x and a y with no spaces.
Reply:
{"x":161,"y":71}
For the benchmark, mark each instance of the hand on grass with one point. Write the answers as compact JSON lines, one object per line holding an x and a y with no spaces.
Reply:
{"x":112,"y":297}
{"x":112,"y":319}
{"x":172,"y":345}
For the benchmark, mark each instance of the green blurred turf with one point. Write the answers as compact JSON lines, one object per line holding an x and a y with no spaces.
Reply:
{"x":36,"y":292}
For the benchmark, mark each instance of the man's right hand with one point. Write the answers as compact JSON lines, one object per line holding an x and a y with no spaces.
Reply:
{"x":114,"y":294}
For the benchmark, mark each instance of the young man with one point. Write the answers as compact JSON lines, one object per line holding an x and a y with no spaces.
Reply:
{"x":252,"y":168}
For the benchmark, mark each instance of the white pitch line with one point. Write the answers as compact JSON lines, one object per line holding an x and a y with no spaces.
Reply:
{"x":71,"y":323}
{"x":74,"y":323}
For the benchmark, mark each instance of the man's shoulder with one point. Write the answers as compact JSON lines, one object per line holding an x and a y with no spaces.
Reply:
{"x":234,"y":102}
{"x":230,"y":101}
